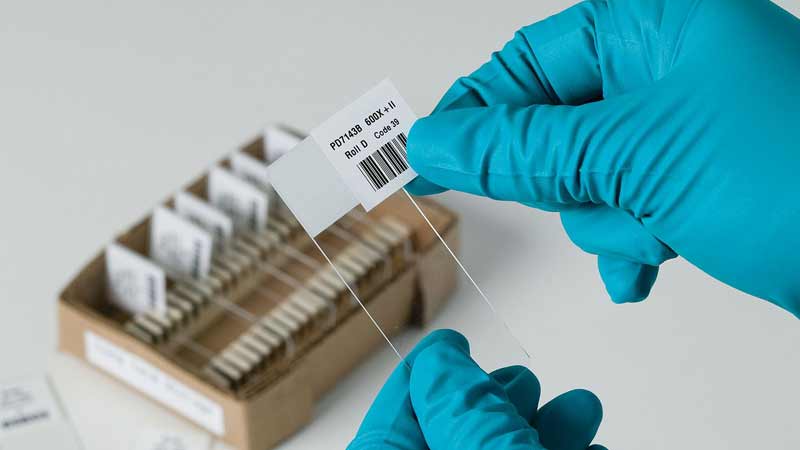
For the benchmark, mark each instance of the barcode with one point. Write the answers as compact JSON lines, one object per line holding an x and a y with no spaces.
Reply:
{"x":385,"y":163}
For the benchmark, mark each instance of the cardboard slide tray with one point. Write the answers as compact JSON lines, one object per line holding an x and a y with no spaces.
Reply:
{"x":91,"y":330}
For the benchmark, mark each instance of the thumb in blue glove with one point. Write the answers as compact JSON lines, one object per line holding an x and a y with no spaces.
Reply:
{"x":655,"y":128}
{"x":441,"y":399}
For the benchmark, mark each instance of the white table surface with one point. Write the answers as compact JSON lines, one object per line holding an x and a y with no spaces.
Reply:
{"x":106,"y":107}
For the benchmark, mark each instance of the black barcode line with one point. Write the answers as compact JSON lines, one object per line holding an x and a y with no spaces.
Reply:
{"x":386,"y":163}
{"x":376,"y":178}
{"x":397,"y":161}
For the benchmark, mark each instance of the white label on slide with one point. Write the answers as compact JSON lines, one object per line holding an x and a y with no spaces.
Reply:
{"x":366,"y":143}
{"x":135,"y":284}
{"x":206,"y":216}
{"x":241,"y":201}
{"x":179,"y":246}
{"x":155,"y":383}
{"x":310,"y":187}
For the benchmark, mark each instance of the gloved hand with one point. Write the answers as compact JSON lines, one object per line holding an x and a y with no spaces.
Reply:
{"x":443,"y":400}
{"x":655,"y":128}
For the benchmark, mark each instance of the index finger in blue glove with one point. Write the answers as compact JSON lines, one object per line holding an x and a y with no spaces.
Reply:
{"x":458,"y":405}
{"x":579,"y":55}
{"x":390,"y":422}
{"x":560,"y":155}
{"x":515,"y":76}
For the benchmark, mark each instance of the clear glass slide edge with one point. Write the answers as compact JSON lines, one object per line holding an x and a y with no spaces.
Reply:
{"x":316,"y":195}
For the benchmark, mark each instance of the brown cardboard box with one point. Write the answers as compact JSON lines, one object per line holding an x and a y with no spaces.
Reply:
{"x":91,"y":329}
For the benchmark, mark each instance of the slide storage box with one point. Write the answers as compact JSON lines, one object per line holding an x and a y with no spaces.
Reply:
{"x":280,"y":399}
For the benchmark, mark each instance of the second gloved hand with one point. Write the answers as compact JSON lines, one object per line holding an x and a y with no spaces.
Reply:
{"x":655,"y":128}
{"x":444,"y":400}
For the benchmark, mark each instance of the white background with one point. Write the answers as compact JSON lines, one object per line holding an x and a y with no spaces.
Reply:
{"x":108,"y":106}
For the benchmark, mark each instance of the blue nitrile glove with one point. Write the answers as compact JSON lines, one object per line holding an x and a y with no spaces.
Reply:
{"x":443,"y":400}
{"x":655,"y":127}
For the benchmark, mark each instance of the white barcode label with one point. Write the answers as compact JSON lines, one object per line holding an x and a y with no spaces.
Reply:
{"x":386,"y":163}
{"x":366,"y":143}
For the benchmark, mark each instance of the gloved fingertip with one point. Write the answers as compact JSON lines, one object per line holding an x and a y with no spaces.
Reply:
{"x":458,"y":96}
{"x":458,"y":405}
{"x":451,"y":337}
{"x":522,"y":387}
{"x":423,"y":139}
{"x":569,"y":421}
{"x":420,"y":186}
{"x":432,"y":150}
{"x":391,"y":418}
{"x":626,"y":281}
{"x":585,"y":403}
